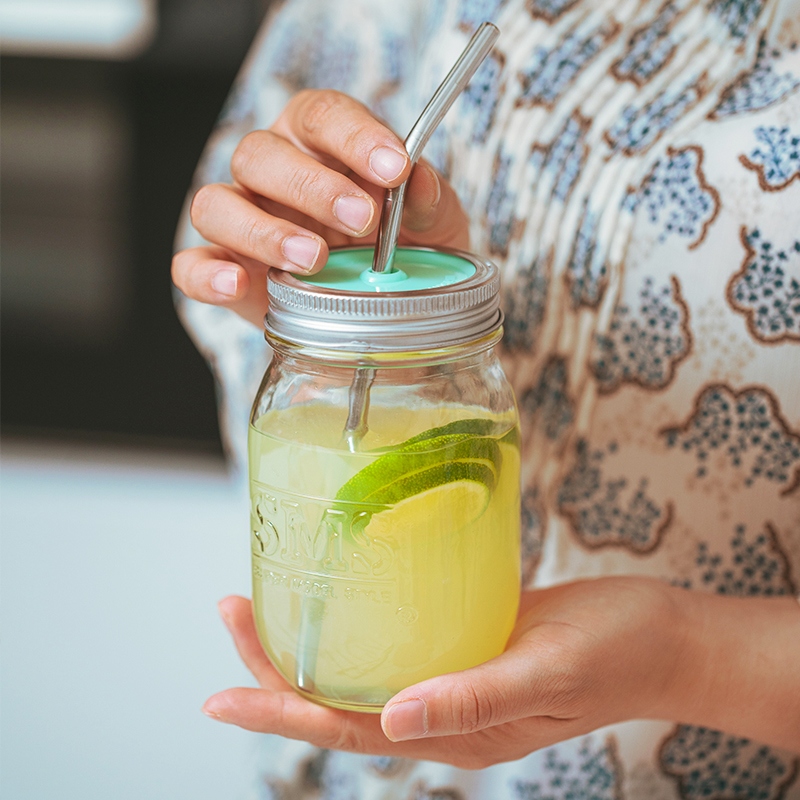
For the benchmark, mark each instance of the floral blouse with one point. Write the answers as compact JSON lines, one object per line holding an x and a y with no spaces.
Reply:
{"x":634,"y":168}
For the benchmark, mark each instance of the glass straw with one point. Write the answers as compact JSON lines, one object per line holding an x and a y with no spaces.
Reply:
{"x":479,"y":46}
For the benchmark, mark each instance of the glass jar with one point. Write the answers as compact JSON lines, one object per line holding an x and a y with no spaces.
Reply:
{"x":384,"y":476}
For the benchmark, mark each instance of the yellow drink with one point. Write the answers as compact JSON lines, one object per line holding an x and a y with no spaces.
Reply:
{"x":355,"y":600}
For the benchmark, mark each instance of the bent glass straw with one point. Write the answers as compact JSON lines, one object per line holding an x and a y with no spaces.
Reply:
{"x":451,"y":87}
{"x":479,"y":46}
{"x":471,"y":58}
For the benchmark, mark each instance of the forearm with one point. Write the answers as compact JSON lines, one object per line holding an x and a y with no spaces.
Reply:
{"x":740,"y":667}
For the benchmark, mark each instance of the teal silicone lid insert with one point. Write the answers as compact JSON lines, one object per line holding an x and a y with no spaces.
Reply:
{"x":435,"y":299}
{"x":350,"y":270}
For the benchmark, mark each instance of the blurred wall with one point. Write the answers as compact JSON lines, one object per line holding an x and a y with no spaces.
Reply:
{"x":114,"y":556}
{"x":97,"y":154}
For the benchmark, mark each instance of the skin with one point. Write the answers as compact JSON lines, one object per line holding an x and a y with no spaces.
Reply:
{"x":584,"y":654}
{"x":289,"y":181}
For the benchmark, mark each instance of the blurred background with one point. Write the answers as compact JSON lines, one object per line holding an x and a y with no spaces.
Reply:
{"x":120,"y":525}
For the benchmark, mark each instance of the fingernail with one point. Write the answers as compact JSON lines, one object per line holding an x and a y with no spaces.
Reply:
{"x":355,"y":212}
{"x":225,"y":282}
{"x":406,"y":720}
{"x":210,"y":712}
{"x":438,"y":188}
{"x":302,"y":251}
{"x":387,"y":163}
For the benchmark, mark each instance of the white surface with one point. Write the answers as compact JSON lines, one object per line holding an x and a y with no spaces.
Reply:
{"x":112,"y":564}
{"x":110,"y":28}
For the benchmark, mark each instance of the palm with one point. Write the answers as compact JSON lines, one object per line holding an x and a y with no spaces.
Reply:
{"x":542,"y":634}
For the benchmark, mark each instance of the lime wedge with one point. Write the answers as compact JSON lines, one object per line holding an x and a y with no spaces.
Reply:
{"x":471,"y":427}
{"x":438,"y":481}
{"x":445,"y":508}
{"x":419,"y":466}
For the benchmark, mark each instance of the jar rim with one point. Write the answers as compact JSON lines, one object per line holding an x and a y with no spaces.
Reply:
{"x":385,"y":359}
{"x":388,"y":321}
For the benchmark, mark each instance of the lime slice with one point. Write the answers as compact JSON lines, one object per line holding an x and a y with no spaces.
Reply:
{"x":419,"y":466}
{"x":472,"y":427}
{"x":438,"y":481}
{"x":443,"y":509}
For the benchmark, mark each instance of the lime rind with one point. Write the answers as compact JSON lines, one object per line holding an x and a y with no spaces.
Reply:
{"x":433,"y":470}
{"x":434,"y":478}
{"x":468,"y":427}
{"x":433,"y":458}
{"x":474,"y":427}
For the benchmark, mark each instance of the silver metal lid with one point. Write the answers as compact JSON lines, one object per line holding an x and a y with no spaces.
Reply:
{"x":383,"y":319}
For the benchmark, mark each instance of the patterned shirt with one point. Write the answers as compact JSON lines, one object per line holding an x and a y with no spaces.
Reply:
{"x":634,"y":168}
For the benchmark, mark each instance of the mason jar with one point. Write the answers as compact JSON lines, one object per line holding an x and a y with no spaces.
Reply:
{"x":384,"y":476}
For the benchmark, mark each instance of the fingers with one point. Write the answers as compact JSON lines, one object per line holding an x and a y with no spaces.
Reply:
{"x":295,"y":717}
{"x":433,"y":215}
{"x":237,"y":614}
{"x":304,"y":160}
{"x":343,"y":131}
{"x":220,"y":277}
{"x":289,"y":715}
{"x":224,"y":216}
{"x":271,"y":166}
{"x":311,"y":182}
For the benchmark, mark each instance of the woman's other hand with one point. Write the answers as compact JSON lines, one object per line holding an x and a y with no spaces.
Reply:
{"x":582,"y":655}
{"x":314,"y":180}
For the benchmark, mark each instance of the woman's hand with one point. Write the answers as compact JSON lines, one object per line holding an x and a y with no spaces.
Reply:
{"x":314,"y":180}
{"x":583,"y":655}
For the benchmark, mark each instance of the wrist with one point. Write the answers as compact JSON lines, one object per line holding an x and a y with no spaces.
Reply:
{"x":736,"y":666}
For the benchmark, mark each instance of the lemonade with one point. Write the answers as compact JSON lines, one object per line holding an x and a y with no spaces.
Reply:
{"x":377,"y":569}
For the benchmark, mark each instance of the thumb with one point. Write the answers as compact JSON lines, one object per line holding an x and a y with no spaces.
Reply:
{"x":498,"y":691}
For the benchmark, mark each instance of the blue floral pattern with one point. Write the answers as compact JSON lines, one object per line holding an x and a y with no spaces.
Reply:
{"x":758,"y":88}
{"x":767,"y":289}
{"x":776,"y":159}
{"x":479,"y":100}
{"x":471,"y":13}
{"x":332,"y":64}
{"x":753,"y":566}
{"x":649,"y":50}
{"x":336,"y":779}
{"x":745,"y":426}
{"x":593,"y":774}
{"x":709,"y":765}
{"x":547,"y":405}
{"x":677,"y":196}
{"x":551,"y":72}
{"x":643,"y":346}
{"x":500,"y":206}
{"x":386,"y":766}
{"x":639,"y":128}
{"x":586,"y":268}
{"x":610,"y":511}
{"x":562,"y":159}
{"x":737,"y":15}
{"x":525,"y":301}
